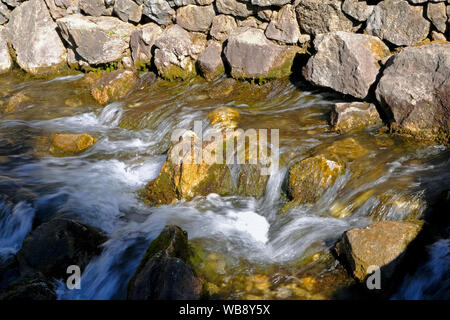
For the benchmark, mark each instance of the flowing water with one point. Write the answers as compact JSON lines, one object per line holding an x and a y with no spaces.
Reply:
{"x":250,"y":249}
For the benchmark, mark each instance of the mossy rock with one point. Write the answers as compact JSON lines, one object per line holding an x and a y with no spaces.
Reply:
{"x":66,"y":144}
{"x":113,"y":86}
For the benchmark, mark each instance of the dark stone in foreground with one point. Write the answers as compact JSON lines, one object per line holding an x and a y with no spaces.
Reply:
{"x":164,"y":272}
{"x":57,"y":244}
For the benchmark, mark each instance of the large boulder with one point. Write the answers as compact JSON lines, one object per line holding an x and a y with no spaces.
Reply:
{"x":96,"y":40}
{"x":56,"y":245}
{"x":346,"y":62}
{"x":284,"y":27}
{"x":252,"y":56}
{"x":165,"y":271}
{"x":398,"y":22}
{"x":5,"y":58}
{"x":322,"y":16}
{"x":195,"y":18}
{"x":176,"y":52}
{"x":414,"y":90}
{"x":142,"y":42}
{"x":158,"y":11}
{"x":382,"y":245}
{"x":32,"y":34}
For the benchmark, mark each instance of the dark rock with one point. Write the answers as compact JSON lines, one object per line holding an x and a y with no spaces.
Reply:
{"x":165,"y":272}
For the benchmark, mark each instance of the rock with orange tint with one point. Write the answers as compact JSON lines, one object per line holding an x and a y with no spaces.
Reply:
{"x":113,"y":86}
{"x":346,"y":62}
{"x":70,"y":143}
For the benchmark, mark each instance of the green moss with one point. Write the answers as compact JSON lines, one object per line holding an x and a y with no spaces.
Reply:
{"x":174,"y":72}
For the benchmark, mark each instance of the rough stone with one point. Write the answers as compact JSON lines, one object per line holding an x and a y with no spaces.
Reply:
{"x":437,"y":13}
{"x":142,"y":42}
{"x":358,"y":10}
{"x":62,"y":8}
{"x":195,"y":18}
{"x":5,"y":58}
{"x":32,"y":33}
{"x":96,"y":40}
{"x":158,"y":11}
{"x":414,"y":91}
{"x":252,"y":56}
{"x":70,"y":143}
{"x":127,"y":10}
{"x":93,"y":8}
{"x":382,"y":244}
{"x":210,"y":62}
{"x":346,"y":62}
{"x":222,"y":26}
{"x":385,"y":23}
{"x":234,"y":8}
{"x":322,"y":16}
{"x":284,"y":26}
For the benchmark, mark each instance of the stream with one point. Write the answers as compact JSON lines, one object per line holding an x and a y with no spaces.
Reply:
{"x":253,"y":250}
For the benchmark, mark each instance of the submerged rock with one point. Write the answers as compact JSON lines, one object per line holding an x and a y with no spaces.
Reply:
{"x":210,"y":62}
{"x":310,"y":178}
{"x":113,"y":86}
{"x":414,"y":91}
{"x":6,"y":62}
{"x":224,"y":117}
{"x":355,"y":115}
{"x":70,"y":144}
{"x":252,"y":56}
{"x":176,"y":53}
{"x":385,"y":22}
{"x":346,"y":62}
{"x":56,"y":245}
{"x":382,"y":244}
{"x":96,"y":40}
{"x":31,"y":289}
{"x":33,"y":36}
{"x":165,"y":272}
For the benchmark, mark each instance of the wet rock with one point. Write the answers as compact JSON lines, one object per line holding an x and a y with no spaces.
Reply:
{"x":356,"y":9}
{"x":59,"y":9}
{"x":195,"y":18}
{"x":17,"y":102}
{"x":310,"y":178}
{"x":284,"y":27}
{"x":34,"y":289}
{"x":158,"y":11}
{"x":32,"y":33}
{"x":128,"y":10}
{"x":252,"y":56}
{"x":57,"y":244}
{"x":142,"y":42}
{"x":210,"y":62}
{"x":96,"y":40}
{"x":421,"y":110}
{"x":69,"y":144}
{"x":222,"y":26}
{"x":355,"y":115}
{"x":176,"y":53}
{"x":322,"y":16}
{"x":113,"y":86}
{"x":6,"y":62}
{"x":94,"y":8}
{"x":384,"y":23}
{"x":165,"y":272}
{"x":185,"y":175}
{"x":437,"y":13}
{"x":346,"y":62}
{"x":224,"y":117}
{"x":234,"y":8}
{"x":382,"y":244}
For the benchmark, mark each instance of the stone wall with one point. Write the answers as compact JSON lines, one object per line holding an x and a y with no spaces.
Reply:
{"x":357,"y":47}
